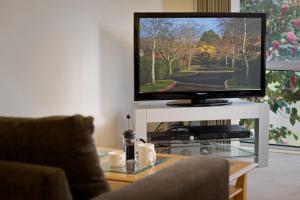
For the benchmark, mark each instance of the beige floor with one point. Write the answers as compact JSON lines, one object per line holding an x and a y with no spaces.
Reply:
{"x":279,"y":181}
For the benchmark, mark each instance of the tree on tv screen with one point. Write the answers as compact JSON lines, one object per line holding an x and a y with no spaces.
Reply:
{"x":177,"y":51}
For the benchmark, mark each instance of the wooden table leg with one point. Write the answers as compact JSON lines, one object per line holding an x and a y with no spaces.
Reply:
{"x":242,"y":183}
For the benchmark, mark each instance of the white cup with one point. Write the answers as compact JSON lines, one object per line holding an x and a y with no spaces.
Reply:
{"x":117,"y":158}
{"x":146,"y":154}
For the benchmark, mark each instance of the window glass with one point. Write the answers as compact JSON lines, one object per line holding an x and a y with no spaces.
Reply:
{"x":283,"y":64}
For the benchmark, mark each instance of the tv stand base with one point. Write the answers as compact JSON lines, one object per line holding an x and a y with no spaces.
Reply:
{"x":145,"y":114}
{"x":199,"y":103}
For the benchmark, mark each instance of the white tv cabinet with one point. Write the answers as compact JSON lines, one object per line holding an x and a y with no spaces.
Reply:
{"x":237,"y":110}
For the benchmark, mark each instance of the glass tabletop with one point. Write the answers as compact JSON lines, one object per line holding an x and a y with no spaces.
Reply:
{"x":132,"y":167}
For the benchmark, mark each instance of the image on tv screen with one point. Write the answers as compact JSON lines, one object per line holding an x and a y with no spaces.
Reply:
{"x":199,"y":54}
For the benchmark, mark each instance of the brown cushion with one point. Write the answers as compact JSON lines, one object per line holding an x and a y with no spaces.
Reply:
{"x":59,"y":141}
{"x":19,"y":181}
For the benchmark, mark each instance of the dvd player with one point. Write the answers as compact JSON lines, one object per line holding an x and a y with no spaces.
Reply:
{"x":172,"y":135}
{"x":202,"y":133}
{"x":219,"y":132}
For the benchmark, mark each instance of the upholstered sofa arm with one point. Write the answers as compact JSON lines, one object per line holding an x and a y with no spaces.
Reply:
{"x":26,"y":181}
{"x":198,"y":177}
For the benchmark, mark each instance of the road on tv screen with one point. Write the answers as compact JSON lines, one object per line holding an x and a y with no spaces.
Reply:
{"x":200,"y":81}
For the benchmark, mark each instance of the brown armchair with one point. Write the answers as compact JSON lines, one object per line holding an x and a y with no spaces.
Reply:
{"x":55,"y":158}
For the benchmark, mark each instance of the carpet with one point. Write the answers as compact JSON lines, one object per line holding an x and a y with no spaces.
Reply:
{"x":279,"y":181}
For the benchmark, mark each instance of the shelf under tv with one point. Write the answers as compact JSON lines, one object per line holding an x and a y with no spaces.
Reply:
{"x":215,"y":150}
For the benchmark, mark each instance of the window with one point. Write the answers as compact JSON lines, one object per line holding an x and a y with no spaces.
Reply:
{"x":283,"y":64}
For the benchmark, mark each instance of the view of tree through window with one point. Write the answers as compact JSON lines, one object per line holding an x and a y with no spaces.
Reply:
{"x":283,"y":62}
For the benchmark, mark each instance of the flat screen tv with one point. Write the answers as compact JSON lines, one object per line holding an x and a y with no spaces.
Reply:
{"x":203,"y":57}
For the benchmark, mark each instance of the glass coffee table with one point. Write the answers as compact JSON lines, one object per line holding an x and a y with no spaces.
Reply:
{"x":120,"y":177}
{"x":131,"y":167}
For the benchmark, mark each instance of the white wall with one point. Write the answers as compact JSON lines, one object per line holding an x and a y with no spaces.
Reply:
{"x":235,"y":5}
{"x":70,"y":56}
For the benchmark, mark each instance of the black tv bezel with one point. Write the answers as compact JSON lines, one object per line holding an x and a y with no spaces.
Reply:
{"x":138,"y":96}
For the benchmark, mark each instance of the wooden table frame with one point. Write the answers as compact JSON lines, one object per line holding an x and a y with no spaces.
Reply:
{"x":238,"y":175}
{"x":238,"y":187}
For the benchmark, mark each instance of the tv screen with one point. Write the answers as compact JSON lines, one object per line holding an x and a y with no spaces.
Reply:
{"x":199,"y":56}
